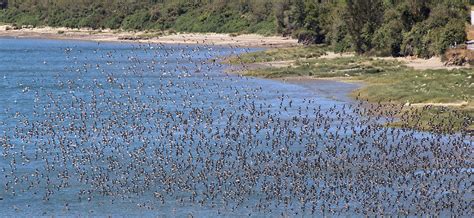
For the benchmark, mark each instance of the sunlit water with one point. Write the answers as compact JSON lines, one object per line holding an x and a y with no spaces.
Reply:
{"x":173,"y":99}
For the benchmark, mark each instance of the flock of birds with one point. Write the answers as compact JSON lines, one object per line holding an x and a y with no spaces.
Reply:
{"x":163,"y":125}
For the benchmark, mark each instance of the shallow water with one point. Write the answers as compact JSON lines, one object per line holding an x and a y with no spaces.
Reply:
{"x":171,"y":99}
{"x":37,"y":65}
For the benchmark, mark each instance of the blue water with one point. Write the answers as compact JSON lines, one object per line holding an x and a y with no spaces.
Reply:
{"x":126,"y":129}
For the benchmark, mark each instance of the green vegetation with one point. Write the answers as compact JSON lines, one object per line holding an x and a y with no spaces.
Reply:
{"x":339,"y":67}
{"x":409,"y":86}
{"x":384,"y":27}
{"x":280,"y":54}
{"x":428,"y":86}
{"x":435,"y":119}
{"x":386,"y":81}
{"x":221,"y":16}
{"x":305,"y":62}
{"x":388,"y":78}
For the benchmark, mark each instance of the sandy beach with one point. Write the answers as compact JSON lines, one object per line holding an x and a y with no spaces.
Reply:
{"x":246,"y":40}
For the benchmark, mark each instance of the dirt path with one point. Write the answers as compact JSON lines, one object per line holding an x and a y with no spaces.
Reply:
{"x":434,"y":63}
{"x":453,"y":104}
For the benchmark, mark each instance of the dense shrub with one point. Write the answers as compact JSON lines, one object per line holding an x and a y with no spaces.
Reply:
{"x":27,"y":19}
{"x":137,"y":21}
{"x":363,"y":18}
{"x":388,"y":38}
{"x":451,"y":35}
{"x":113,"y":22}
{"x":306,"y":36}
{"x":444,"y":27}
{"x":459,"y":56}
{"x":339,"y":36}
{"x":415,"y":43}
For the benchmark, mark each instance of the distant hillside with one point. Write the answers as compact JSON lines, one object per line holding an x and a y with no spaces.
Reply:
{"x":385,"y":27}
{"x":253,"y":16}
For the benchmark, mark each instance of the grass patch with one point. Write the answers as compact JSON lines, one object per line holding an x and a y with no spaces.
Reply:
{"x":429,"y":86}
{"x":151,"y":35}
{"x":337,"y":67}
{"x":436,"y":119}
{"x":279,"y":54}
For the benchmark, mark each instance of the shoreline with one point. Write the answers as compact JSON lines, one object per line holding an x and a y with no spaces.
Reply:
{"x":415,"y":67}
{"x":217,"y":39}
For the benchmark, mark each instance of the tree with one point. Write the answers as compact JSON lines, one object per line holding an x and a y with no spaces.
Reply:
{"x":298,"y":14}
{"x":363,"y":19}
{"x":388,"y":38}
{"x":444,"y":27}
{"x":313,"y":24}
{"x":385,"y":27}
{"x":280,"y":10}
{"x":339,"y":36}
{"x":414,"y":42}
{"x":452,"y":34}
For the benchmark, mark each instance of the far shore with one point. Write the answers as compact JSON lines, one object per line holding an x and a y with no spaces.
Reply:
{"x":245,"y":40}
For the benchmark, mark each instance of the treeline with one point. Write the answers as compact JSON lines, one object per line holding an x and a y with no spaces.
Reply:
{"x":384,"y":27}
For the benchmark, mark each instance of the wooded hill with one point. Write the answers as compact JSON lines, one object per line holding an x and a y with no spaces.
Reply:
{"x":383,"y":27}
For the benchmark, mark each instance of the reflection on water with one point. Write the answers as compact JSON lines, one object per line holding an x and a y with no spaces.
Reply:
{"x":127,"y":129}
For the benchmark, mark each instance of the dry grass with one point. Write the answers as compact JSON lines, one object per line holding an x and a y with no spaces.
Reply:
{"x":459,"y":56}
{"x":470,"y":32}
